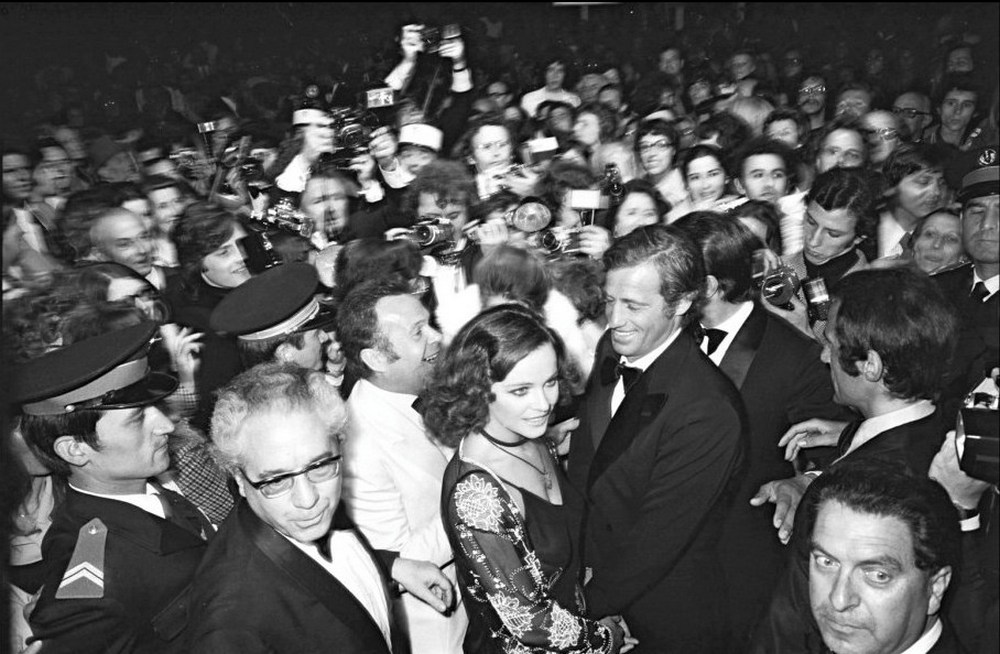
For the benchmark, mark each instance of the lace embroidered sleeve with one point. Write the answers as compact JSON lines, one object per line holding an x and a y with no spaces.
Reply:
{"x":504,"y":573}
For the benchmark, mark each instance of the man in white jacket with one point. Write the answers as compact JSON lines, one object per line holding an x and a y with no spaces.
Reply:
{"x":394,"y":470}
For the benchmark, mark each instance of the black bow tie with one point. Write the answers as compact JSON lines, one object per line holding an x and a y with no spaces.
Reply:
{"x":611,"y":370}
{"x":418,"y":406}
{"x":715,"y":338}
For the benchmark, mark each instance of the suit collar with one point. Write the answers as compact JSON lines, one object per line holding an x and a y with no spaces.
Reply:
{"x":312,"y":577}
{"x":641,"y":405}
{"x":743,"y":349}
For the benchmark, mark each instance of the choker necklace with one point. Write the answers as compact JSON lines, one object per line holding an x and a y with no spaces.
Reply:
{"x":500,"y":445}
{"x":496,"y":441}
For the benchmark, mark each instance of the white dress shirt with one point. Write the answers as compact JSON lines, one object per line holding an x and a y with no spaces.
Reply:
{"x":352,"y":565}
{"x":890,"y":236}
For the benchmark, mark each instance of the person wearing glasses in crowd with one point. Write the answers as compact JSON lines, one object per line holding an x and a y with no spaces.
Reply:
{"x":914,"y":109}
{"x":288,"y":556}
{"x":884,"y":135}
{"x":656,"y":145}
{"x":812,"y":100}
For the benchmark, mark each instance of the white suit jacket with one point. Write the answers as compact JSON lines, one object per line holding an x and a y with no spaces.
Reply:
{"x":392,"y":487}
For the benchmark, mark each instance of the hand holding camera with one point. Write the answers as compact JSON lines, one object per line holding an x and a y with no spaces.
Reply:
{"x":383,"y":147}
{"x":363,"y":165}
{"x":946,"y":469}
{"x":521,"y":180}
{"x":411,"y":41}
{"x":490,"y":234}
{"x":454,"y":49}
{"x":594,"y":241}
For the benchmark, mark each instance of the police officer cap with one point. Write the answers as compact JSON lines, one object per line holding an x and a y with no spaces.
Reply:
{"x":975,"y":173}
{"x":279,"y":301}
{"x":105,"y":372}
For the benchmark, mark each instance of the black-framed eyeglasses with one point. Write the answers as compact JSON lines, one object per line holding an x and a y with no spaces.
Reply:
{"x":885,"y":133}
{"x":909,"y":112}
{"x":323,"y":470}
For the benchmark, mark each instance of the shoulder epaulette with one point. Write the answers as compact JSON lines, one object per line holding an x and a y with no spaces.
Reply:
{"x":84,"y":577}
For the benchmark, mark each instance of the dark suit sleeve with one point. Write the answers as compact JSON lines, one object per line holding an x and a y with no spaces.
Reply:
{"x":694,"y":459}
{"x":812,"y":397}
{"x":77,"y":625}
{"x":84,"y":626}
{"x":229,"y":640}
{"x":813,"y":391}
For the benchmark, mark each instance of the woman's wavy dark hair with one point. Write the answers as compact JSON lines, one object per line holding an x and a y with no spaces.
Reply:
{"x":484,"y":352}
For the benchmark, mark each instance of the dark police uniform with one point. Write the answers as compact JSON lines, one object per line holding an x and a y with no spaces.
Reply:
{"x":116,"y":576}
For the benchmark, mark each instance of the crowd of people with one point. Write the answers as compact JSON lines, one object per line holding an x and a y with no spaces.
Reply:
{"x":447,"y":355}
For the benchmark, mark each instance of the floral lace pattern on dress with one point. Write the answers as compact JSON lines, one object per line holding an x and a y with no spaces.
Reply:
{"x":504,"y":576}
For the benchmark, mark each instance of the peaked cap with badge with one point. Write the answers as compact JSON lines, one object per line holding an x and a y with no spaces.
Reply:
{"x":279,"y":302}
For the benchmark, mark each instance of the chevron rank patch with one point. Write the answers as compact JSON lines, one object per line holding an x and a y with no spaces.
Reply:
{"x":84,"y":577}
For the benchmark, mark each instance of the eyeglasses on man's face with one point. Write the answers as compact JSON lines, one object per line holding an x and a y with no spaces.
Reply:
{"x":908,"y":112}
{"x":323,"y":470}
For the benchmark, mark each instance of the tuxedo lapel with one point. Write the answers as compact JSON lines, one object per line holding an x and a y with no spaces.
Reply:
{"x":640,"y":407}
{"x":314,"y":579}
{"x":742,"y":351}
{"x":599,"y":408}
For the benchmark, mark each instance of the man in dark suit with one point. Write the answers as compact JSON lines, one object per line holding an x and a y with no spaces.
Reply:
{"x":782,"y":381}
{"x":288,"y":572}
{"x":889,"y":339}
{"x":658,"y":446}
{"x":883,"y":547}
{"x":122,"y":550}
{"x":973,"y":288}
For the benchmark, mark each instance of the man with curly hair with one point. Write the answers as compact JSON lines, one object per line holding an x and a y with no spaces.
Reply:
{"x":288,"y":571}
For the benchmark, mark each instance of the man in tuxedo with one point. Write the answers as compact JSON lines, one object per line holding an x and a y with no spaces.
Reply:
{"x":288,"y":572}
{"x":660,"y":441}
{"x":973,"y":288}
{"x":888,"y":341}
{"x":883,"y":547}
{"x":121,"y":550}
{"x":393,"y":469}
{"x":782,"y":382}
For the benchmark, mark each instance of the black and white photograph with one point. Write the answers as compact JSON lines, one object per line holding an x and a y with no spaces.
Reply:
{"x":500,"y":328}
